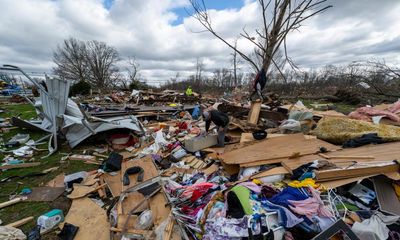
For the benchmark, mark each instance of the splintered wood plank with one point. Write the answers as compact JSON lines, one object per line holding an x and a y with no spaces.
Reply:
{"x":355,"y":171}
{"x":254,"y":113}
{"x":211,"y":169}
{"x":90,"y":218}
{"x":279,"y":147}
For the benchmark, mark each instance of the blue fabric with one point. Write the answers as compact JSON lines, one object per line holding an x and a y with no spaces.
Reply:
{"x":289,"y":193}
{"x":196,"y":112}
{"x":285,"y":217}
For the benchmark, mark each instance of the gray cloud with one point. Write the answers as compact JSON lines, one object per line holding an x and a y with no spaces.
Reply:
{"x":31,"y":29}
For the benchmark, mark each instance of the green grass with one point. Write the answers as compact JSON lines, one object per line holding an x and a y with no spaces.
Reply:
{"x":340,"y":107}
{"x":21,"y":210}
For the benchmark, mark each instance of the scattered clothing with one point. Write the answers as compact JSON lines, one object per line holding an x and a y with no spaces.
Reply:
{"x":310,"y":207}
{"x":308,"y":182}
{"x":370,"y":138}
{"x":374,"y":228}
{"x":289,"y":193}
{"x":285,"y":217}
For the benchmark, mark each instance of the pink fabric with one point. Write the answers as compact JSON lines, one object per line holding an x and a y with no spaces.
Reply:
{"x":252,"y":186}
{"x":365,"y":113}
{"x":310,"y":206}
{"x":195,"y":191}
{"x":395,"y":108}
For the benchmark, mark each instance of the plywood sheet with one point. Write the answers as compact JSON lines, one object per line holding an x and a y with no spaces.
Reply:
{"x":113,"y":182}
{"x":90,"y":218}
{"x":380,"y":152}
{"x":150,"y":170}
{"x":81,"y":191}
{"x":159,"y":208}
{"x":45,"y":194}
{"x":131,"y":200}
{"x":58,"y":181}
{"x":358,"y":170}
{"x":279,"y":147}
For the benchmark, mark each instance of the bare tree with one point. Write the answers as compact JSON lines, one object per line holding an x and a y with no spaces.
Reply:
{"x":235,"y":63}
{"x":279,"y":17}
{"x":199,"y":69}
{"x":385,"y":69}
{"x":101,"y":59}
{"x":133,"y":69}
{"x":70,"y":60}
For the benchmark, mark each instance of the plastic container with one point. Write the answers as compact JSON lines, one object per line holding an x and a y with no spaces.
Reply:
{"x":50,"y":219}
{"x":74,"y":176}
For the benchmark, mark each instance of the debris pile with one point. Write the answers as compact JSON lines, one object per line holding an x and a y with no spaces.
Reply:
{"x":279,"y":172}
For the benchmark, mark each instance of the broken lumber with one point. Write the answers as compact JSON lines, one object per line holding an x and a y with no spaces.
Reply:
{"x":276,"y":148}
{"x":11,"y":202}
{"x":254,"y":113}
{"x":82,"y":157}
{"x":357,"y":171}
{"x":345,"y":156}
{"x":21,"y":165}
{"x":20,"y":222}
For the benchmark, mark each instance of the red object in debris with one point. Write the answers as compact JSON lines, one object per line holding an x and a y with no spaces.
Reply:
{"x":122,"y":140}
{"x":182,"y":125}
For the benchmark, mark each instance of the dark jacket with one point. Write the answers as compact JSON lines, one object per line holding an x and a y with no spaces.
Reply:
{"x":218,"y":118}
{"x":261,"y":78}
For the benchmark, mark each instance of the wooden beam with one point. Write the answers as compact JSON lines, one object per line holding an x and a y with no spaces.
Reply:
{"x":11,"y":202}
{"x":254,"y":113}
{"x":21,"y":165}
{"x":20,"y":222}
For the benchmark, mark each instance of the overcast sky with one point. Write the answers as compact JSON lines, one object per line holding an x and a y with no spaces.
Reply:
{"x":160,"y":34}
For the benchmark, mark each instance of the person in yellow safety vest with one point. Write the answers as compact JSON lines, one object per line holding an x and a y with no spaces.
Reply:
{"x":189,"y":91}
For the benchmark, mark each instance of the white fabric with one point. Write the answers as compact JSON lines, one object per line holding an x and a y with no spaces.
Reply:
{"x":11,"y":233}
{"x":375,"y":227}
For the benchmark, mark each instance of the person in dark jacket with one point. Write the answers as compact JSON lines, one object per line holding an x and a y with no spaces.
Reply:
{"x":259,"y":83}
{"x":221,"y":120}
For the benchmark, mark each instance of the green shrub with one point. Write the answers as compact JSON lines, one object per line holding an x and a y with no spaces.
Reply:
{"x":80,"y":88}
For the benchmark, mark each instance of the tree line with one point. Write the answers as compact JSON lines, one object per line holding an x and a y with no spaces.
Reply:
{"x":95,"y":64}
